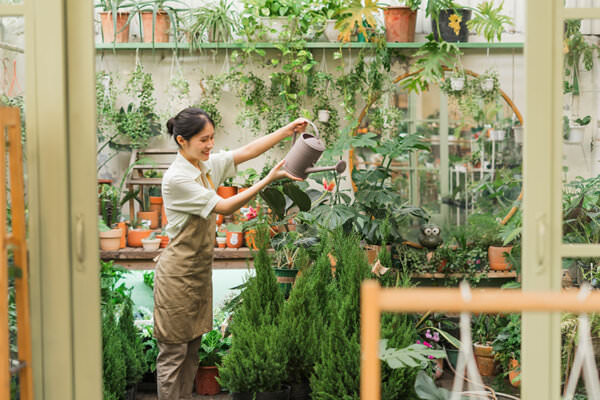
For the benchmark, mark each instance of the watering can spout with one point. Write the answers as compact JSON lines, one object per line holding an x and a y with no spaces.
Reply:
{"x":339,"y":167}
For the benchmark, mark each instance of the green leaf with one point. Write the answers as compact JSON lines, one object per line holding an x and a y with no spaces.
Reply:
{"x":298,"y":196}
{"x":275,"y":199}
{"x":426,"y":389}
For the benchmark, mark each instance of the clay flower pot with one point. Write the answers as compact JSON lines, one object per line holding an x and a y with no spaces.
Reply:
{"x":226,"y":191}
{"x":234,"y":240}
{"x":497,"y":260}
{"x":123,"y":227}
{"x":206,"y":383}
{"x":164,"y":240}
{"x":110,"y":240}
{"x":400,"y":23}
{"x":151,"y":216}
{"x":485,"y":359}
{"x":161,"y":27}
{"x":250,"y":238}
{"x":514,"y":373}
{"x":108,"y":28}
{"x":156,"y":204}
{"x":135,"y":236}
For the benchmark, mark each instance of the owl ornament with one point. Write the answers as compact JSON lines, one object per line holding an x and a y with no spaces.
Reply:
{"x":430,"y":236}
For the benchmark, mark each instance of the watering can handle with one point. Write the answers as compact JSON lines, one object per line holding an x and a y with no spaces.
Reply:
{"x":314,"y":128}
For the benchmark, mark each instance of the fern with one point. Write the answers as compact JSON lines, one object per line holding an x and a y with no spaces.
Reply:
{"x":489,"y":21}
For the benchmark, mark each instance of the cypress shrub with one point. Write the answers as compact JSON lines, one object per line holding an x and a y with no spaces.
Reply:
{"x":303,"y":319}
{"x":133,"y":351}
{"x":337,"y":372}
{"x":114,"y":367}
{"x":256,"y":362}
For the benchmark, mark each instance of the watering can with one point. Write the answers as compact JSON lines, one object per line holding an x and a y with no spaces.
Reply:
{"x":305,"y":153}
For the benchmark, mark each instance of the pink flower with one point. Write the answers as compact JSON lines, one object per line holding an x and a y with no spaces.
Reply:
{"x":427,"y":344}
{"x":428,"y":334}
{"x":436,"y":337}
{"x":431,"y":357}
{"x":329,"y":186}
{"x":251,"y":214}
{"x":418,"y":342}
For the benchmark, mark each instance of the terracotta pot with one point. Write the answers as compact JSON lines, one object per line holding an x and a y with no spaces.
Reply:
{"x":285,"y":279}
{"x":164,"y":240}
{"x":219,"y":219}
{"x":205,"y":381}
{"x":163,"y":216}
{"x":123,"y":227}
{"x":151,"y":216}
{"x":156,"y":204}
{"x":226,"y":191}
{"x":497,"y":260}
{"x":514,"y":373}
{"x":110,"y":240}
{"x":234,"y":240}
{"x":161,"y":27}
{"x":108,"y":31}
{"x":485,"y":359}
{"x":372,"y":251}
{"x":400,"y":24}
{"x":135,"y":236}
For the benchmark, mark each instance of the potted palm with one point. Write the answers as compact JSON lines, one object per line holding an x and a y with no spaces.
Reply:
{"x":213,"y":348}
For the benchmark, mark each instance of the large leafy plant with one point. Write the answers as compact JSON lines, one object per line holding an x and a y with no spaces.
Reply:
{"x":213,"y":348}
{"x":358,"y":16}
{"x":218,"y":21}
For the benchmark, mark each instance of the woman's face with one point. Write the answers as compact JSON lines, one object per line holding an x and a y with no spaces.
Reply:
{"x":200,"y":145}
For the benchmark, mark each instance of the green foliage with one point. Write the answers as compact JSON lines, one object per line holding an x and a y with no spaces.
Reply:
{"x":304,"y":319}
{"x":149,"y":279}
{"x":138,"y":122}
{"x":133,"y":352}
{"x":213,"y":348}
{"x":489,"y":21}
{"x":578,"y":53}
{"x":429,"y":65}
{"x":358,"y":16}
{"x":255,"y":362}
{"x":113,"y":362}
{"x":218,"y":21}
{"x":507,"y":345}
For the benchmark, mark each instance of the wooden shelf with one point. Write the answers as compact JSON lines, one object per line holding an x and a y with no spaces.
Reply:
{"x":138,"y":258}
{"x":309,"y":45}
{"x":490,"y":275}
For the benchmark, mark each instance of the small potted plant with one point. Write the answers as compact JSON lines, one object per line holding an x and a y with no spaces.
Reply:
{"x":115,"y":21}
{"x":485,"y":328}
{"x":218,"y":21}
{"x":110,"y":239}
{"x":227,"y":189}
{"x":221,"y":239}
{"x":212,"y":350}
{"x":139,"y":231}
{"x":234,"y":235}
{"x":507,"y":349}
{"x":151,"y":243}
{"x":574,"y":132}
{"x":164,"y":239}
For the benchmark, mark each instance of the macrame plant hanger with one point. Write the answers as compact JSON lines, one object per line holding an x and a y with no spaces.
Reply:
{"x":584,"y":357}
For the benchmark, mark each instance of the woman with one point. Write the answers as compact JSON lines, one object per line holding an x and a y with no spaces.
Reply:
{"x":183,"y":281}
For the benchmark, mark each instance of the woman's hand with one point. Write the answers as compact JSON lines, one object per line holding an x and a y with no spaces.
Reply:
{"x":296,"y":126}
{"x":278,"y":173}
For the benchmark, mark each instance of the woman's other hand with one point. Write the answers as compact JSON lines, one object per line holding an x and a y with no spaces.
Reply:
{"x":279,"y":173}
{"x":296,"y":126}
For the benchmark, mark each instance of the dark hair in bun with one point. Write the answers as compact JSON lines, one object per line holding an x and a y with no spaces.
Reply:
{"x":188,"y":123}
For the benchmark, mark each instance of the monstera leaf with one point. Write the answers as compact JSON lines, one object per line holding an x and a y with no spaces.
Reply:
{"x":354,"y":15}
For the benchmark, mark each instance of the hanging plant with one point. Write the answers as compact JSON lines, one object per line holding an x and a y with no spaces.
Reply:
{"x":487,"y":86}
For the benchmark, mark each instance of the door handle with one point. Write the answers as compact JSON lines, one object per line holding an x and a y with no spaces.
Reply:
{"x":79,"y":242}
{"x":541,"y":242}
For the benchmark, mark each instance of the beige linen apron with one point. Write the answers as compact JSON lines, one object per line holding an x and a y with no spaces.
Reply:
{"x":183,"y":283}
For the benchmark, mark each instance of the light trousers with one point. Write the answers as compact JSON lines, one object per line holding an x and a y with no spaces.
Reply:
{"x":176,"y":367}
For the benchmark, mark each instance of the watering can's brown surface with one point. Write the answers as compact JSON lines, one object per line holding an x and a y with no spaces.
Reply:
{"x":305,"y":153}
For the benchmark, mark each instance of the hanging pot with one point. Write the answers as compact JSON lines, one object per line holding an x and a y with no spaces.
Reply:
{"x":457,"y":83}
{"x":518,"y":131}
{"x":487,"y":85}
{"x":323,"y":115}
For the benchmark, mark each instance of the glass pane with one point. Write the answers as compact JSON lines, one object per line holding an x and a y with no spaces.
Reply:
{"x":12,"y":86}
{"x":581,"y":4}
{"x":581,"y":153}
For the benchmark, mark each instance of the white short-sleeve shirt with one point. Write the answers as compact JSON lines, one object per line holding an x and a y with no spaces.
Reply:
{"x":184,"y":190}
